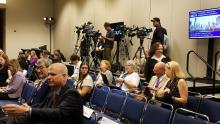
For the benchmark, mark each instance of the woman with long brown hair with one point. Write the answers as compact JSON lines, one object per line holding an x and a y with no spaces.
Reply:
{"x":15,"y":81}
{"x":84,"y":81}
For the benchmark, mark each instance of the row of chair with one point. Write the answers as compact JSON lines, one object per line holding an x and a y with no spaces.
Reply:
{"x":204,"y":104}
{"x":118,"y":105}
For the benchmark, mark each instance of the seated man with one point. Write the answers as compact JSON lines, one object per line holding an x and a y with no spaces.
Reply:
{"x":158,"y":80}
{"x":129,"y":80}
{"x":41,"y":84}
{"x":61,"y":105}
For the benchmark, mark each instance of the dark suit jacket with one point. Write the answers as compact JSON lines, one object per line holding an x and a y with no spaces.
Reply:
{"x":68,"y":110}
{"x":38,"y":97}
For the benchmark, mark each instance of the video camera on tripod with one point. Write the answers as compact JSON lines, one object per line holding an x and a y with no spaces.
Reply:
{"x":141,"y":32}
{"x":119,"y":30}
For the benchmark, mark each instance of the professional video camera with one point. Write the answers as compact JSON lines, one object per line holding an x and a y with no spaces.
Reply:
{"x":119,"y":30}
{"x":143,"y":31}
{"x":86,"y":28}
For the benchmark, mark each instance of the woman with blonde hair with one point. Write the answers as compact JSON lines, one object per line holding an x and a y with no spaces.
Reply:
{"x":175,"y":91}
{"x":33,"y":58}
{"x":105,"y":75}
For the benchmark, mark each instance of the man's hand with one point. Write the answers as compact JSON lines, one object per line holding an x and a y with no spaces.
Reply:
{"x":16,"y":110}
{"x":152,"y":88}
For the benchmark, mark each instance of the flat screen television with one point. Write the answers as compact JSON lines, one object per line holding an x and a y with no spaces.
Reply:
{"x":204,"y":23}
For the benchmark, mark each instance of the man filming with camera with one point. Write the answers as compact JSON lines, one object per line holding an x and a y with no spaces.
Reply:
{"x":109,"y":41}
{"x":158,"y":35}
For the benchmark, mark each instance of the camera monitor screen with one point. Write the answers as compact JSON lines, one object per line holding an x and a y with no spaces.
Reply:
{"x":204,"y":23}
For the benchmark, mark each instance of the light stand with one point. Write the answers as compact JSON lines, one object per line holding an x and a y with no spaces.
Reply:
{"x":49,"y":21}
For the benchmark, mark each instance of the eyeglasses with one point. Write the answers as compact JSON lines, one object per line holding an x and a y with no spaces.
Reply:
{"x":39,"y":67}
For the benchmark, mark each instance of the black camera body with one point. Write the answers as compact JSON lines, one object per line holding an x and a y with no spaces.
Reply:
{"x":119,"y":30}
{"x":143,"y":32}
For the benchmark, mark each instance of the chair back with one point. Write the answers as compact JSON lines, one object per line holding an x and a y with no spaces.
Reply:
{"x":115,"y":102}
{"x":194,"y":101}
{"x":184,"y":116}
{"x":210,"y":108}
{"x":133,"y":109}
{"x":28,"y":91}
{"x":155,"y":114}
{"x":99,"y":96}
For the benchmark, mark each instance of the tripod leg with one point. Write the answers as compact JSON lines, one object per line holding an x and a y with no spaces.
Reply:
{"x":126,"y":51}
{"x":139,"y":48}
{"x":145,"y":55}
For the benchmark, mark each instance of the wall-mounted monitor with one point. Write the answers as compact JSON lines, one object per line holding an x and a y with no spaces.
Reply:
{"x":204,"y":23}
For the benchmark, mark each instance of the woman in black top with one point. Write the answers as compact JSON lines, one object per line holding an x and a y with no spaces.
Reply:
{"x":155,"y":55}
{"x":175,"y":91}
{"x":3,"y":70}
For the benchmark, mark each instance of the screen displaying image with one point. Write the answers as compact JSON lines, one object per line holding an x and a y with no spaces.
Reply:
{"x":204,"y":23}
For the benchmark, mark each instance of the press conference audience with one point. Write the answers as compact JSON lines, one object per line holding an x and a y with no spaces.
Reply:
{"x":61,"y":105}
{"x":84,"y":82}
{"x":33,"y":58}
{"x":3,"y":69}
{"x":130,"y":79}
{"x":155,"y":55}
{"x":104,"y":75}
{"x":41,"y":84}
{"x":158,"y":80}
{"x":15,"y":81}
{"x":59,"y":54}
{"x":75,"y":61}
{"x":175,"y":91}
{"x":46,"y":56}
{"x":23,"y":61}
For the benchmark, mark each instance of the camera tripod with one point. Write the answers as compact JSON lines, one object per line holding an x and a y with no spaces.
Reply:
{"x":121,"y":43}
{"x":95,"y":58}
{"x":140,"y":48}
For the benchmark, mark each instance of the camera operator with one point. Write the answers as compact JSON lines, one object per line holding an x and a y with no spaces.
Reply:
{"x":98,"y":51}
{"x":158,"y":35}
{"x":109,"y":41}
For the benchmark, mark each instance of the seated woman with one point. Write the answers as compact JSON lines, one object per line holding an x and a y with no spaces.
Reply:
{"x":129,"y":80}
{"x":105,"y":75}
{"x":155,"y":55}
{"x":15,"y":81}
{"x":3,"y":69}
{"x":33,"y":58}
{"x":175,"y":91}
{"x":84,"y":81}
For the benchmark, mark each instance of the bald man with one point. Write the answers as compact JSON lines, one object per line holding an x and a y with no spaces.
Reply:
{"x":159,"y":79}
{"x":62,"y":105}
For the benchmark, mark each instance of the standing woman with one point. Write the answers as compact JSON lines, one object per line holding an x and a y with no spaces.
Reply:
{"x":3,"y":69}
{"x":15,"y":81}
{"x":84,"y":81}
{"x":156,"y":54}
{"x":175,"y":91}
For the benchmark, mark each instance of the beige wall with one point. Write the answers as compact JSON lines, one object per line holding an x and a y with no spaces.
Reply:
{"x":25,"y":27}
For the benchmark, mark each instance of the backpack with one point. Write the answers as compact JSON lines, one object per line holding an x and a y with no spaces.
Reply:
{"x":165,"y":42}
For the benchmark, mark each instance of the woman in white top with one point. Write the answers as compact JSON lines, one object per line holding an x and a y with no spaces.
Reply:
{"x":84,"y":81}
{"x":129,"y":80}
{"x":105,"y":75}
